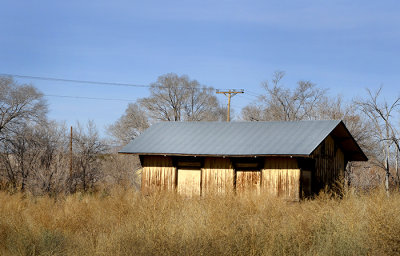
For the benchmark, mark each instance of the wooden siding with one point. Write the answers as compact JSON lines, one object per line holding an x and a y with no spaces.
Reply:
{"x":217,"y":175}
{"x":189,"y":182}
{"x":329,"y":164}
{"x":289,"y":178}
{"x":281,"y":177}
{"x":248,"y":181}
{"x":306,"y":185}
{"x":158,"y":174}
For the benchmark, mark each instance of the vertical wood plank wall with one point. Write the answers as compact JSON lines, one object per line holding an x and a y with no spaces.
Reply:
{"x":158,"y":174}
{"x":329,"y":164}
{"x":281,"y":177}
{"x":189,"y":182}
{"x":305,"y":183}
{"x":248,"y":181}
{"x":217,"y":176}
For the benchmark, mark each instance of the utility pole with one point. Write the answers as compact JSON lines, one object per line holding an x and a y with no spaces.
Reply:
{"x":230,"y":93}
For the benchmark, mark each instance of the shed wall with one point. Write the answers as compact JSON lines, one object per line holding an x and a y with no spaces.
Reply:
{"x":189,"y":182}
{"x":329,"y":164}
{"x":248,"y":181}
{"x":281,"y":177}
{"x":158,"y":174}
{"x":217,"y":175}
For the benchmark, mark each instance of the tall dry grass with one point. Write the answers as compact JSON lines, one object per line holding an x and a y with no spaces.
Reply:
{"x":126,"y":223}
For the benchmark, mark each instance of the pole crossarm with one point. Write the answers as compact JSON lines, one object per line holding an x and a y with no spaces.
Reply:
{"x":229,"y":93}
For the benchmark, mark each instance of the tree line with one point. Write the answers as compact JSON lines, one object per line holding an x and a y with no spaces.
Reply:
{"x":35,"y":156}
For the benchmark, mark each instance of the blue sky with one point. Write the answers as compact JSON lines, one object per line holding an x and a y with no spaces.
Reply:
{"x":341,"y":45}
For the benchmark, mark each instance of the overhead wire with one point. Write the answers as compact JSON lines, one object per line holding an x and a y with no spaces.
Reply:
{"x":43,"y":78}
{"x":248,"y":97}
{"x":86,"y":98}
{"x":97,"y":82}
{"x":253,"y":94}
{"x":75,"y":80}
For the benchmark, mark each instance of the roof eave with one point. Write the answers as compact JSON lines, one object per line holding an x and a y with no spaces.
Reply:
{"x":215,"y":155}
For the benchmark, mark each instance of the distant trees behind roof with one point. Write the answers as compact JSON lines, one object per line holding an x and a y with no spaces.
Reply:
{"x":172,"y":98}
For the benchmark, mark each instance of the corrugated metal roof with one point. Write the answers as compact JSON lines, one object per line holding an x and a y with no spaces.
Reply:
{"x":233,"y":138}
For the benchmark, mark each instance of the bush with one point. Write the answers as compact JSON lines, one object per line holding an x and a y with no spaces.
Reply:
{"x":124,"y":222}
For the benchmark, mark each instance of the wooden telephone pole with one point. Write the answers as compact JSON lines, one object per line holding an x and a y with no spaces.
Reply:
{"x":230,"y":93}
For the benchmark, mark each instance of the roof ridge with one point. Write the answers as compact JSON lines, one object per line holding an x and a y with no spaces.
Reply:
{"x":244,"y":121}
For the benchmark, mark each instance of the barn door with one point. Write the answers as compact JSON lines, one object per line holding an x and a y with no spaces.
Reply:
{"x":189,"y":182}
{"x":248,"y":181}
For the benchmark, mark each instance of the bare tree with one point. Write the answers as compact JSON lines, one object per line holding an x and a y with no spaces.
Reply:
{"x":50,"y":174}
{"x":254,"y":113}
{"x":284,"y":104}
{"x":177,"y":98}
{"x":129,"y":125}
{"x":8,"y":173}
{"x":22,"y":110}
{"x":19,"y":104}
{"x":88,"y":149}
{"x":380,"y":113}
{"x":123,"y":170}
{"x":337,"y":109}
{"x":201,"y":104}
{"x":20,"y":154}
{"x":306,"y":102}
{"x":34,"y":152}
{"x":396,"y":142}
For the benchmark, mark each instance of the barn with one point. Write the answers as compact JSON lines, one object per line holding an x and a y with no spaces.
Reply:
{"x":287,"y":159}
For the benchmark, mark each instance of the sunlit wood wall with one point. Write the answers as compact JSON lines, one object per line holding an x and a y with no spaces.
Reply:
{"x":281,"y":177}
{"x":217,"y":175}
{"x":158,"y":174}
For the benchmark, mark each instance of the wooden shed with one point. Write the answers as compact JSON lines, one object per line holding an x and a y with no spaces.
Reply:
{"x":286,"y":159}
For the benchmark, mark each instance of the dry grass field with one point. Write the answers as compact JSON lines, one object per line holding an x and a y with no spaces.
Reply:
{"x":125,"y":223}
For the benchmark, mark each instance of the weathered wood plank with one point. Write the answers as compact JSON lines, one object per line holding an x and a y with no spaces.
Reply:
{"x":281,"y":177}
{"x":329,"y":163}
{"x":306,"y":179}
{"x":158,"y":174}
{"x":248,"y":182}
{"x":189,"y":182}
{"x":217,"y":176}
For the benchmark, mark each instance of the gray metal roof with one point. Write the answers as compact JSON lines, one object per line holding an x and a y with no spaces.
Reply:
{"x":233,"y":138}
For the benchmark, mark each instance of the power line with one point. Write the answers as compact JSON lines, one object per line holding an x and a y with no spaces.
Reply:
{"x":86,"y":98}
{"x":254,"y":94}
{"x":252,"y":99}
{"x":95,"y":98}
{"x":106,"y":83}
{"x":98,"y":82}
{"x":75,"y":80}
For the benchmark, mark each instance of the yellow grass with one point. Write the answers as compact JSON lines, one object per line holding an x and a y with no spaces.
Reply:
{"x":126,"y":223}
